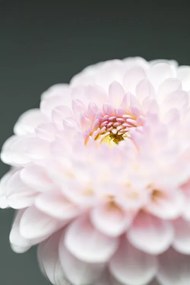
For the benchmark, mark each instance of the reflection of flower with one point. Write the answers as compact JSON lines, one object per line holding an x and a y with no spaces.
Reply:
{"x":101,"y":176}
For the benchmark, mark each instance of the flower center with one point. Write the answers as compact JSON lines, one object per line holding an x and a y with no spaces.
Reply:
{"x":113,"y":128}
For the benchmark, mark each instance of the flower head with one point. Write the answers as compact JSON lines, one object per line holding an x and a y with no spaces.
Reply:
{"x":100,"y":176}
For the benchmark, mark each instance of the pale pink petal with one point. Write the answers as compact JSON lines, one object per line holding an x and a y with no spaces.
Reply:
{"x":18,"y":243}
{"x":88,"y":244}
{"x":150,"y":234}
{"x":59,"y":114}
{"x":169,"y":205}
{"x":178,"y":99}
{"x":132,"y":77}
{"x":174,"y":268}
{"x":116,"y":94}
{"x":21,"y":150}
{"x":18,"y":195}
{"x":184,"y":76}
{"x":54,"y":204}
{"x":48,"y":258}
{"x":186,"y":191}
{"x":35,"y":225}
{"x":132,"y":266}
{"x":168,"y":86}
{"x":77,"y":271}
{"x":181,"y":241}
{"x":111,"y":220}
{"x":54,"y":90}
{"x":12,"y":151}
{"x":3,"y":189}
{"x":29,"y":121}
{"x":144,"y":90}
{"x":50,"y":103}
{"x":159,"y":72}
{"x":46,"y":132}
{"x":36,"y":177}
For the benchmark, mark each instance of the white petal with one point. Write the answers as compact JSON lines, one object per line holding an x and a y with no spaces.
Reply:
{"x":21,"y":150}
{"x":48,"y":258}
{"x":36,"y":225}
{"x":160,"y":71}
{"x":77,"y":271}
{"x":59,"y":114}
{"x":3,"y":189}
{"x":150,"y":234}
{"x":144,"y":90}
{"x":28,"y":122}
{"x":168,"y":86}
{"x":18,"y":195}
{"x":55,"y":205}
{"x":35,"y":176}
{"x":55,"y":96}
{"x":168,"y":206}
{"x":116,"y":94}
{"x":132,"y":77}
{"x":110,"y":220}
{"x":182,"y":236}
{"x":132,"y":266}
{"x":56,"y":89}
{"x":184,"y":76}
{"x":87,"y":244}
{"x":174,"y":268}
{"x":46,"y":132}
{"x":12,"y":151}
{"x":18,"y":243}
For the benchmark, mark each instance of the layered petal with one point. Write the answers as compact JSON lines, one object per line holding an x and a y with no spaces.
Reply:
{"x":150,"y":234}
{"x":88,"y":244}
{"x":77,"y":271}
{"x":181,"y":241}
{"x":111,"y":220}
{"x":132,"y":266}
{"x":35,"y":225}
{"x":18,"y":242}
{"x":174,"y":268}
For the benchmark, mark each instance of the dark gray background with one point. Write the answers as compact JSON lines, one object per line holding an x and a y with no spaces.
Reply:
{"x":46,"y":42}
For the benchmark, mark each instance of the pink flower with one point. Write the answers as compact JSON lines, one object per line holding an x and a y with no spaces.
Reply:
{"x":100,"y":176}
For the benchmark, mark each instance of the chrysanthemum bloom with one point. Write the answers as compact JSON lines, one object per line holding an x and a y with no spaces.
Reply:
{"x":100,"y":176}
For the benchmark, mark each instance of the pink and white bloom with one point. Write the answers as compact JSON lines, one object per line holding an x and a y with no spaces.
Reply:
{"x":100,"y":176}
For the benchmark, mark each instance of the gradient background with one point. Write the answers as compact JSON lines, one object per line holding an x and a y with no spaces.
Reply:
{"x":46,"y":42}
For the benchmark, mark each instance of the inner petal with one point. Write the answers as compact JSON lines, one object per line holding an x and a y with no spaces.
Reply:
{"x":111,"y":127}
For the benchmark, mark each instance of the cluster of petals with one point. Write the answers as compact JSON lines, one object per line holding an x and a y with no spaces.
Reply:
{"x":100,"y":176}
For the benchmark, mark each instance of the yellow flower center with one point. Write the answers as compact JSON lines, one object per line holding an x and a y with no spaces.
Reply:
{"x":112,"y":129}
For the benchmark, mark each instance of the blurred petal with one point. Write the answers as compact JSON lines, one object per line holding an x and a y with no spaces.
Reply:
{"x":174,"y":268}
{"x":77,"y":271}
{"x":132,"y":266}
{"x":48,"y":258}
{"x":18,"y":195}
{"x":28,"y":122}
{"x":21,"y":150}
{"x":181,"y":241}
{"x":18,"y":243}
{"x":36,"y":176}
